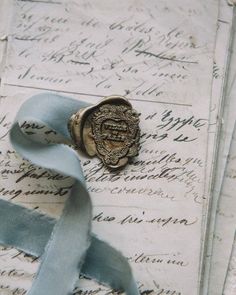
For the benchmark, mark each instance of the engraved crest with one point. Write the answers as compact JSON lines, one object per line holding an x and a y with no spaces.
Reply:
{"x":115,"y":131}
{"x":109,"y":130}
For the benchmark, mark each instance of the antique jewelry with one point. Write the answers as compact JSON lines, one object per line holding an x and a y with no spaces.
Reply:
{"x":109,"y":129}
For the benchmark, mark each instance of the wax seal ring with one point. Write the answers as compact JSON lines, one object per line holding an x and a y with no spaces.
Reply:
{"x":109,"y":129}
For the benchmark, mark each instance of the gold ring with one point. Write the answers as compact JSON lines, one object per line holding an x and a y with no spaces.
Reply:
{"x":109,"y":130}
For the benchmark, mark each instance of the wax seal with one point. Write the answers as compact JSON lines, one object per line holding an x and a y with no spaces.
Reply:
{"x":109,"y":130}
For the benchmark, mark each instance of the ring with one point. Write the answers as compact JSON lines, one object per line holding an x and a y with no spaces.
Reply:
{"x":109,"y":130}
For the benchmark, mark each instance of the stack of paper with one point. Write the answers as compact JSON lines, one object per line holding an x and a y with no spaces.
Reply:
{"x":172,"y":210}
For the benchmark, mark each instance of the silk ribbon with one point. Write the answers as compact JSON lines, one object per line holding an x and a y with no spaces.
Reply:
{"x":66,"y":247}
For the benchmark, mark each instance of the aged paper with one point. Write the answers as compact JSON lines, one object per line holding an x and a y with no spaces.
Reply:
{"x":5,"y":19}
{"x":222,"y":63}
{"x":81,"y":43}
{"x":225,"y":226}
{"x":161,"y":56}
{"x":230,"y":282}
{"x":218,"y":270}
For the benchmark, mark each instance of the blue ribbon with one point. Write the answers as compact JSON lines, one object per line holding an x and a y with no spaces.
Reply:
{"x":66,"y":247}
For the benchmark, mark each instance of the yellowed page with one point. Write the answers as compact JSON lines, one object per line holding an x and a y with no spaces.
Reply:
{"x":158,"y":54}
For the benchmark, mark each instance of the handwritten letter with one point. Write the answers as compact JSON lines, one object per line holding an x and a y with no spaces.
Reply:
{"x":158,"y":54}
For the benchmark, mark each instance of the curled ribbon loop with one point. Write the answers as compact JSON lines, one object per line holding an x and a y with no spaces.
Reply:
{"x":66,"y":247}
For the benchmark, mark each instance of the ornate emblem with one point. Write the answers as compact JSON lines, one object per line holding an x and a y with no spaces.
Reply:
{"x":109,"y":130}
